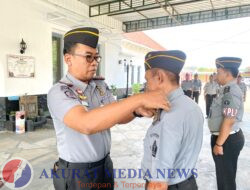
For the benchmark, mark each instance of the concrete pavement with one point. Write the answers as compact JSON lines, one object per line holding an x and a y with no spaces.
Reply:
{"x":39,"y":148}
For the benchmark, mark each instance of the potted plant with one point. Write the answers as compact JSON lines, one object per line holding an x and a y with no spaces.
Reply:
{"x":114,"y":91}
{"x":12,"y":116}
{"x":136,"y":88}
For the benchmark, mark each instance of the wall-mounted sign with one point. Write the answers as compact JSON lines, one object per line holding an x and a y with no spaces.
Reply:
{"x":20,"y":66}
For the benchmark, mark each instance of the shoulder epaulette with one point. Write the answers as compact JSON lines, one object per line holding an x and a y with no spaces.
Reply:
{"x":68,"y":84}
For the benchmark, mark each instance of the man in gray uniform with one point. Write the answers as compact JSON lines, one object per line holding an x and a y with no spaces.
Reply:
{"x":186,"y":86}
{"x":242,"y":86}
{"x":82,"y":118}
{"x":211,"y":89}
{"x":173,"y":141}
{"x":196,"y":84}
{"x":224,"y":122}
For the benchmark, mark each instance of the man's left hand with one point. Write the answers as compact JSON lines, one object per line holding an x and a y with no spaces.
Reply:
{"x":218,"y":150}
{"x":145,"y":112}
{"x":153,"y":185}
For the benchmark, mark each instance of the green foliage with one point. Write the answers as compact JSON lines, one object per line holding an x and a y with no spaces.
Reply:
{"x":13,"y":113}
{"x":136,"y":88}
{"x":203,"y":69}
{"x":113,"y":90}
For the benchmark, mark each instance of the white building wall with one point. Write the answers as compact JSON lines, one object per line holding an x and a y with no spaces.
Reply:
{"x":113,"y":71}
{"x":138,"y":53}
{"x":20,"y":19}
{"x":27,"y":19}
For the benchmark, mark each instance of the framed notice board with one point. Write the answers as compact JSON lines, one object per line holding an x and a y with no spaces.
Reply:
{"x":20,"y":66}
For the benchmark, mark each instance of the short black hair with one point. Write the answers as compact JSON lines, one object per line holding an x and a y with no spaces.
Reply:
{"x":233,"y":71}
{"x":69,"y":47}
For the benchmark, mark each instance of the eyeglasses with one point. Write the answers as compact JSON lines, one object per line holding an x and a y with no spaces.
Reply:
{"x":90,"y":58}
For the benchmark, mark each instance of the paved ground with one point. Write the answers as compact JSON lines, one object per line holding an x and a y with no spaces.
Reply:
{"x":39,"y":148}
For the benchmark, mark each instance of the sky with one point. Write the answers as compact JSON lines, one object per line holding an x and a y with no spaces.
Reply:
{"x":205,"y":42}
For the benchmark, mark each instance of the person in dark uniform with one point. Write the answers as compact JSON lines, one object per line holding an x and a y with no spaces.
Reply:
{"x":173,"y":141}
{"x":224,"y":123}
{"x":83,"y":109}
{"x":196,"y":88}
{"x":211,"y":89}
{"x":186,"y":86}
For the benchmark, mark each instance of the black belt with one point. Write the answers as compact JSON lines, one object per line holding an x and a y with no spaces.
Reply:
{"x":181,"y":183}
{"x":178,"y":184}
{"x":83,"y":165}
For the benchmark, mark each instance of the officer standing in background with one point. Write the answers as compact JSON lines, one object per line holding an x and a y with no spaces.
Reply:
{"x":196,"y":87}
{"x":210,"y":92}
{"x":173,"y":141}
{"x":224,"y":122}
{"x":242,"y":86}
{"x":78,"y":104}
{"x":186,"y":86}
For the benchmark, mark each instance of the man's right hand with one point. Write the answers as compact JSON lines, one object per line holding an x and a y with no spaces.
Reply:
{"x":145,"y":112}
{"x":155,"y":100}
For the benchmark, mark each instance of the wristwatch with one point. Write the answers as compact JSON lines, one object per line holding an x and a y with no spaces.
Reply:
{"x":218,"y":145}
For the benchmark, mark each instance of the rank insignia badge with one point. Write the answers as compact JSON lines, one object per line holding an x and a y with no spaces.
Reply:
{"x":101,"y":92}
{"x":157,"y":116}
{"x":154,"y":149}
{"x":80,"y":94}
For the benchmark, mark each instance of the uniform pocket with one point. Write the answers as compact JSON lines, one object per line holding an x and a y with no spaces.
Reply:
{"x":58,"y":180}
{"x":216,"y":109}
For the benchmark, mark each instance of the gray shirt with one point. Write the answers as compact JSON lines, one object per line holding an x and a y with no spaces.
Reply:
{"x":243,"y":87}
{"x":229,"y":103}
{"x":186,"y":85}
{"x":173,"y":142}
{"x":72,"y":145}
{"x":211,"y":88}
{"x":196,"y":84}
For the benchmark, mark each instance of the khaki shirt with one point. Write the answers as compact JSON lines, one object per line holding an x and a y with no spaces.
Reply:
{"x":229,"y":103}
{"x":72,"y":145}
